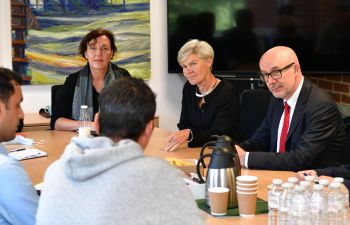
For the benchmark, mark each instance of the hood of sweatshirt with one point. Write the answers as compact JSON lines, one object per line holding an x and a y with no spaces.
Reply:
{"x":85,"y":158}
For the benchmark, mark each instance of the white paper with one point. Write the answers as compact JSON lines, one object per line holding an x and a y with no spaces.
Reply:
{"x":28,"y":153}
{"x":39,"y":186}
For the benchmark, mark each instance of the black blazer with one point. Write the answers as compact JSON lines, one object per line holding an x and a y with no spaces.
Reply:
{"x":316,"y":137}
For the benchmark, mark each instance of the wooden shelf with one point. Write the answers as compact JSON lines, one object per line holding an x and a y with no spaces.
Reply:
{"x":17,"y":14}
{"x":20,"y":60}
{"x":18,"y":27}
{"x":19,"y":32}
{"x":18,"y":42}
{"x":18,"y":5}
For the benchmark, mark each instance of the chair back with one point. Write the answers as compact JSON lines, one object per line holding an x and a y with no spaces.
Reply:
{"x":253,"y":107}
{"x":55,"y":92}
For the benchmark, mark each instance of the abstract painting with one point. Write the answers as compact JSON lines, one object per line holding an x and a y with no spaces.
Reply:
{"x":56,"y":27}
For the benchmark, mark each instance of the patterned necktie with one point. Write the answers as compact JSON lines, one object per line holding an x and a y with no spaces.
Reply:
{"x":285,"y":128}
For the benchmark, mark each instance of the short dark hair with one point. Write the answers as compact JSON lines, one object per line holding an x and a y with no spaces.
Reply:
{"x":6,"y":86}
{"x":93,"y":35}
{"x":126,"y":106}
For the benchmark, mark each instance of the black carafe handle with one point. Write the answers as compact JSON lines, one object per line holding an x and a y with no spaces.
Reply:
{"x":201,"y":159}
{"x":209,"y":144}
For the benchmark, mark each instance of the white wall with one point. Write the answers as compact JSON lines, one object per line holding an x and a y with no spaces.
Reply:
{"x":5,"y":40}
{"x":168,"y":87}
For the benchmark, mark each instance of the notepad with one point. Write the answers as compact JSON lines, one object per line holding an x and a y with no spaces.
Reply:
{"x":27,"y":153}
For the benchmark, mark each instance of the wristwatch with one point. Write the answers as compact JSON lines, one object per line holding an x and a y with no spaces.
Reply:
{"x":190,"y":136}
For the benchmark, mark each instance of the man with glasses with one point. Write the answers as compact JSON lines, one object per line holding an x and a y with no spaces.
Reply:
{"x":302,"y":128}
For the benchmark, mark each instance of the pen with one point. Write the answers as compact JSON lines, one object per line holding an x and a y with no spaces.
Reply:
{"x":17,"y":150}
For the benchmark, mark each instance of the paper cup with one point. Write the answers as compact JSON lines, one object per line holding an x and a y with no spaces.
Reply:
{"x":246,"y":203}
{"x":250,"y":190}
{"x":247,"y":185}
{"x":247,"y":179}
{"x":218,"y":197}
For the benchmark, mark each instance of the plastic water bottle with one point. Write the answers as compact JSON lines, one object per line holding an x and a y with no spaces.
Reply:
{"x":345,"y":192}
{"x":300,"y":213}
{"x":318,"y":206}
{"x":335,"y":205}
{"x":285,"y":204}
{"x":325,"y":184}
{"x":293,"y":180}
{"x":310,"y":178}
{"x":307,"y":188}
{"x":84,"y":122}
{"x":273,"y":201}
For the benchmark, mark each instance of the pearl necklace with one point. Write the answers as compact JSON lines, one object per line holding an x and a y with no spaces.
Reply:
{"x":200,"y":95}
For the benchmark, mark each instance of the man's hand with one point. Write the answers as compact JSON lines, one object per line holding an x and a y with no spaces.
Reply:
{"x":241,"y":154}
{"x":301,"y":174}
{"x":176,"y":139}
{"x":330,"y":179}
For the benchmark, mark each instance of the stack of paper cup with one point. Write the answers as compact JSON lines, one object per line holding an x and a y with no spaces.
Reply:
{"x":247,"y":190}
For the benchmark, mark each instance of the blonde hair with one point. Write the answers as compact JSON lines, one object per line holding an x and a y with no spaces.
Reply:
{"x":195,"y":46}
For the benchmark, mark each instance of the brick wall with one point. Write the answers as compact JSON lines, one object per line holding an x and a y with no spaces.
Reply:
{"x":336,"y":85}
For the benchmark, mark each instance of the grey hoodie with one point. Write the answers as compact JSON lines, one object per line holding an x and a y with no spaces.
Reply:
{"x":98,"y":181}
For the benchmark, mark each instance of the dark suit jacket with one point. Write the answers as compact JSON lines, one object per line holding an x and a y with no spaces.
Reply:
{"x":316,"y":137}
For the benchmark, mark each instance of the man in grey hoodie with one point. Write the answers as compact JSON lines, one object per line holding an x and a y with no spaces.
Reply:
{"x":108,"y":179}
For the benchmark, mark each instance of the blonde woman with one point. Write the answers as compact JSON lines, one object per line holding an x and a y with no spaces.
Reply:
{"x":210,"y":106}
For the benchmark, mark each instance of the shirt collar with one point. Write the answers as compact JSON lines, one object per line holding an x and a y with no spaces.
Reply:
{"x":3,"y":150}
{"x":292,"y":101}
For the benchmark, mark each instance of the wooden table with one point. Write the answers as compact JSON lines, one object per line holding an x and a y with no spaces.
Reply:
{"x":36,"y":122}
{"x":55,"y":141}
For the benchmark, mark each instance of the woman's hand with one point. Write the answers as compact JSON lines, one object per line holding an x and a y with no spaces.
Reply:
{"x":301,"y":174}
{"x":176,"y":139}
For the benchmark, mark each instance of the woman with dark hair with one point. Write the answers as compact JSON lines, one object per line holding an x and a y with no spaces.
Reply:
{"x":83,"y":87}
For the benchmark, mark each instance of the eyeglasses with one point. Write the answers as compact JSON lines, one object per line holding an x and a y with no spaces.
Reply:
{"x":276,"y":74}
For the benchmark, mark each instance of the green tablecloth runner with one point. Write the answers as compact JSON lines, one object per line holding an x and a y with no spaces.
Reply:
{"x":261,"y":207}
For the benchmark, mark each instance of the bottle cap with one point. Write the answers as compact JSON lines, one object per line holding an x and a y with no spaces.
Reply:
{"x":287,"y":185}
{"x":338,"y":179}
{"x":334,"y":185}
{"x":293,"y":180}
{"x":310,"y":178}
{"x":305,"y":183}
{"x":277,"y":181}
{"x":324,"y":182}
{"x":318,"y":187}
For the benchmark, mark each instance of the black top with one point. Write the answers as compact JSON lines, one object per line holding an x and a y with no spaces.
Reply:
{"x":64,"y":101}
{"x":218,"y":115}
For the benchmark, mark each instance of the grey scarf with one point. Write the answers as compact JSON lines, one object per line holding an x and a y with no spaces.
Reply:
{"x":83,"y":93}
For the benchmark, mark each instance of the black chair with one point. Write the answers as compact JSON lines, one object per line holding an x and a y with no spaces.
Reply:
{"x":55,"y":91}
{"x":253,"y":106}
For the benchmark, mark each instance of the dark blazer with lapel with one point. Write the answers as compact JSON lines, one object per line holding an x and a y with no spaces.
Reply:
{"x":316,"y":137}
